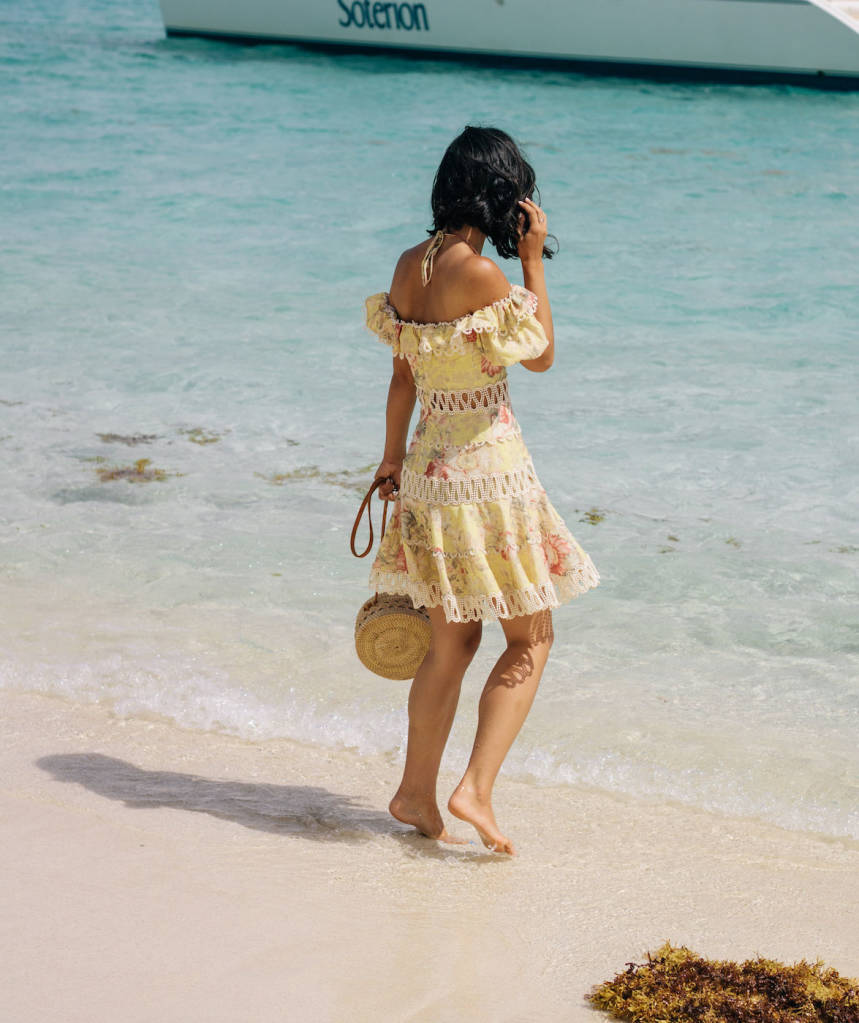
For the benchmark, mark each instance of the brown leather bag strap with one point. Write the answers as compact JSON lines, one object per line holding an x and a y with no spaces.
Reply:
{"x":365,"y":504}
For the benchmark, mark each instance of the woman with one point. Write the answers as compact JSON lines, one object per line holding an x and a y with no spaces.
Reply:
{"x":473,"y":537}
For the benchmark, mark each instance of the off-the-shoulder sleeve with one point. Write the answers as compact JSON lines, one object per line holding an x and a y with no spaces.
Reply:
{"x":509,"y":330}
{"x":382,"y":321}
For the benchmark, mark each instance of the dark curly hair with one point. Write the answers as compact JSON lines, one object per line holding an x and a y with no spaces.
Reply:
{"x":480,"y":180}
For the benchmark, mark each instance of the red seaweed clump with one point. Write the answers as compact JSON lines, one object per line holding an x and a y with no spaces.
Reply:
{"x":593,"y":516}
{"x":349,"y":479}
{"x":679,"y":986}
{"x":131,"y":440}
{"x":140,"y":472}
{"x":202,"y":437}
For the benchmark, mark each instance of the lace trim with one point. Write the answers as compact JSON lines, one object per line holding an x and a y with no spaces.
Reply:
{"x":489,"y":607}
{"x":465,"y":401}
{"x":472,"y":490}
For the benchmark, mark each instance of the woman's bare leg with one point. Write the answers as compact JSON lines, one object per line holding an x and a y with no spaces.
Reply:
{"x":504,"y":705}
{"x":432,"y":704}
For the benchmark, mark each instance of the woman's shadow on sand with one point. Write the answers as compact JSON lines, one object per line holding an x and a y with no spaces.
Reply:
{"x":303,"y":811}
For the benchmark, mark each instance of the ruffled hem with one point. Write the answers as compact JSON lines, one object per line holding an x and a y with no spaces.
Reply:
{"x":494,"y":606}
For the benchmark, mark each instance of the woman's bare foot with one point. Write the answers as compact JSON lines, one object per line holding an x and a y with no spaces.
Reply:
{"x":465,"y":805}
{"x":423,"y":815}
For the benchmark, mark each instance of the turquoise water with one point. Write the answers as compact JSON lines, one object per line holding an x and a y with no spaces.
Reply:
{"x":187,"y":232}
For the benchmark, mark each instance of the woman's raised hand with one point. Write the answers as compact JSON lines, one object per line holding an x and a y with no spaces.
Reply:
{"x":391,"y":471}
{"x":531,"y":242}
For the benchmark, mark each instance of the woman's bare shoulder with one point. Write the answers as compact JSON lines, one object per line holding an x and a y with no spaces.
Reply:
{"x":406,"y":272}
{"x":408,"y":261}
{"x":483,"y":281}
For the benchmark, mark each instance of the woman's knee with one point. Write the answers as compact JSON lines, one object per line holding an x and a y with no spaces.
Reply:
{"x":456,"y":647}
{"x":531,"y":633}
{"x":472,"y":639}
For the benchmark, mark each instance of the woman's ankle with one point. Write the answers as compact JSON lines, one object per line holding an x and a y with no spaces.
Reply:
{"x":475,"y":789}
{"x":413,"y":793}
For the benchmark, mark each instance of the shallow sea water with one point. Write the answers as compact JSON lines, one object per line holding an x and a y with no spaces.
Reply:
{"x":188,"y":231}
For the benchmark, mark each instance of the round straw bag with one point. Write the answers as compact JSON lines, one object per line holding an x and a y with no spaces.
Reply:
{"x":392,"y":636}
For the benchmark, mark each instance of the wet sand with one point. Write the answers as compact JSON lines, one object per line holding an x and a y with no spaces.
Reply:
{"x":152,"y":873}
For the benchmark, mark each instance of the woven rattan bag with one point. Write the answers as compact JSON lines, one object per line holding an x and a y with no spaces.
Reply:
{"x":392,"y":636}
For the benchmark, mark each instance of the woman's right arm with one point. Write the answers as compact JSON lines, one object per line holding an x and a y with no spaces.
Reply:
{"x":534,"y":275}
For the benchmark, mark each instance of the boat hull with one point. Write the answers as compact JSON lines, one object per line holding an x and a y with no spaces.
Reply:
{"x":777,"y":37}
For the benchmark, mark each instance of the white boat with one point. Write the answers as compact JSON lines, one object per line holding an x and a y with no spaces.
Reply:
{"x":809,"y":40}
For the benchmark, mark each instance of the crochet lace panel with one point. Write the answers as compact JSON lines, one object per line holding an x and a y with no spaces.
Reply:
{"x":490,"y":606}
{"x":475,"y":400}
{"x":497,"y":486}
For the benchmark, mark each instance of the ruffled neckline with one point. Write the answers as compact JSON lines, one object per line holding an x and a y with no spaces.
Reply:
{"x":517,"y":295}
{"x":502,"y":320}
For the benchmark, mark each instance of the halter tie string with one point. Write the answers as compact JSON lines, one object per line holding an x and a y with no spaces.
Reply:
{"x":429,"y":256}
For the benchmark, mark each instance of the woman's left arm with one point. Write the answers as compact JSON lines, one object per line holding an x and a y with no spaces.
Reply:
{"x":401,"y":403}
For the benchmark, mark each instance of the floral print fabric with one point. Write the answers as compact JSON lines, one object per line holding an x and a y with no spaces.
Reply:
{"x":473,"y":530}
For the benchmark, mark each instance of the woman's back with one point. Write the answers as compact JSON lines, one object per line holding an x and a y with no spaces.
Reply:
{"x":460,"y":281}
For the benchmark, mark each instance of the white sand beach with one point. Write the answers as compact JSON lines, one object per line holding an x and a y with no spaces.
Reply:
{"x":153,"y":873}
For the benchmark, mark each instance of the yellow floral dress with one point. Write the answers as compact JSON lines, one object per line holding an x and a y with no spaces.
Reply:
{"x":472,"y":529}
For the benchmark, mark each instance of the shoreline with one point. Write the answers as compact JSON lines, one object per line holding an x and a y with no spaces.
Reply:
{"x":163,"y":873}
